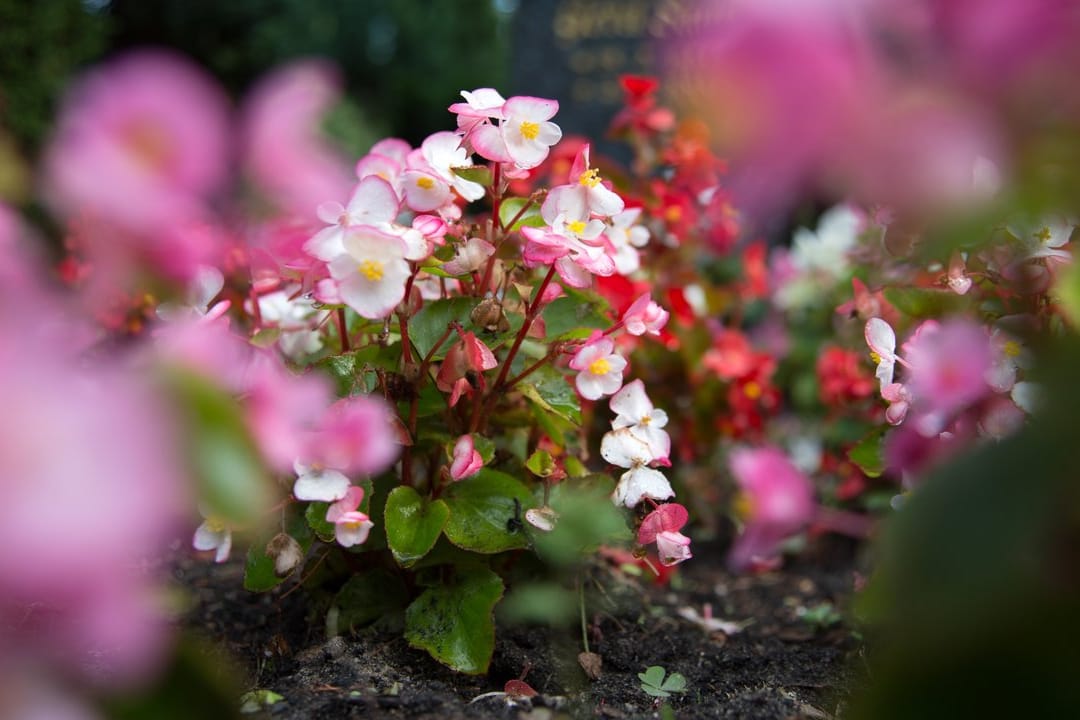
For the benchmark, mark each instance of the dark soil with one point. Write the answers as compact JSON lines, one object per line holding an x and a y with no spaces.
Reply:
{"x":781,"y":664}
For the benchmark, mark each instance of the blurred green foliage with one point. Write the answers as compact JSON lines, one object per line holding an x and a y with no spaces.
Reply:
{"x":403,"y":61}
{"x":41,"y":44}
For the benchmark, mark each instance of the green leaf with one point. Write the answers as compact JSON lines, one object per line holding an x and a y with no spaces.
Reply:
{"x":540,"y":463}
{"x":454,"y":621}
{"x":412,"y":526}
{"x":368,"y":596}
{"x":232,"y":480}
{"x":265,"y":337}
{"x":510,"y":207}
{"x":674,"y":683}
{"x":923,"y":302}
{"x":259,"y":567}
{"x":548,"y":389}
{"x":479,"y":174}
{"x":574,"y":316}
{"x":868,"y":455}
{"x":316,"y":519}
{"x":354,"y":372}
{"x":428,"y":325}
{"x":482,"y":509}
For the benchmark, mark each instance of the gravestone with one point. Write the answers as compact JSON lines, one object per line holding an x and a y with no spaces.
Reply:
{"x":574,"y":51}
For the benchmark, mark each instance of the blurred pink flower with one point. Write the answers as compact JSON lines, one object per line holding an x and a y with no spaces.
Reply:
{"x":284,"y":151}
{"x":775,"y":502}
{"x":356,"y":435}
{"x":949,"y":365}
{"x":141,"y":144}
{"x":90,"y":490}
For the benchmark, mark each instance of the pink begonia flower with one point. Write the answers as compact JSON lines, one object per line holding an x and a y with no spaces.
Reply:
{"x":372,"y":273}
{"x":463,"y":369}
{"x":599,"y":368}
{"x":635,"y":412}
{"x":373,"y":202}
{"x":949,"y":363}
{"x":524,"y":135}
{"x":625,"y":236}
{"x":1001,"y":418}
{"x":481,"y":106}
{"x":284,"y":150}
{"x":586,"y":195}
{"x":662,"y":526}
{"x":355,"y":435}
{"x":775,"y":502}
{"x":645,"y":317}
{"x":140,"y":146}
{"x":213,"y":534}
{"x":899,"y":399}
{"x":571,"y":246}
{"x":467,"y":461}
{"x":470,"y":256}
{"x":318,"y":483}
{"x":351,"y":527}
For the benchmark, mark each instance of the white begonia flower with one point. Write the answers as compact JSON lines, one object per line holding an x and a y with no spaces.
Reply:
{"x":372,"y":273}
{"x":1027,"y":395}
{"x":882,"y":341}
{"x":635,"y":412}
{"x":527,"y":131}
{"x":213,"y":534}
{"x":373,"y":202}
{"x":1047,"y":239}
{"x":297,"y":320}
{"x":626,"y":237}
{"x":316,"y":483}
{"x":443,"y":152}
{"x":599,"y":369}
{"x":826,"y":249}
{"x":641,"y":482}
{"x":621,"y":447}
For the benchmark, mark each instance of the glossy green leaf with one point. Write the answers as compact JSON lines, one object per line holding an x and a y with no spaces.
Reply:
{"x":479,"y":174}
{"x":412,"y":525}
{"x":549,"y":389}
{"x":867,"y":454}
{"x":483,"y":515}
{"x":540,"y":463}
{"x":428,"y":325}
{"x":454,"y":621}
{"x":574,"y":316}
{"x":511,"y":207}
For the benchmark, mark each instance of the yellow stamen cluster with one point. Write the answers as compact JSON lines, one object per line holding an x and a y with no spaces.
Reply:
{"x":1044,"y":234}
{"x":425,"y":183}
{"x":215,"y":524}
{"x":590,"y":178}
{"x":577,"y":226}
{"x":529,"y":129}
{"x":1011,"y":348}
{"x":372,"y":270}
{"x":875,"y":357}
{"x":645,"y":420}
{"x":752,"y":390}
{"x":600,"y":366}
